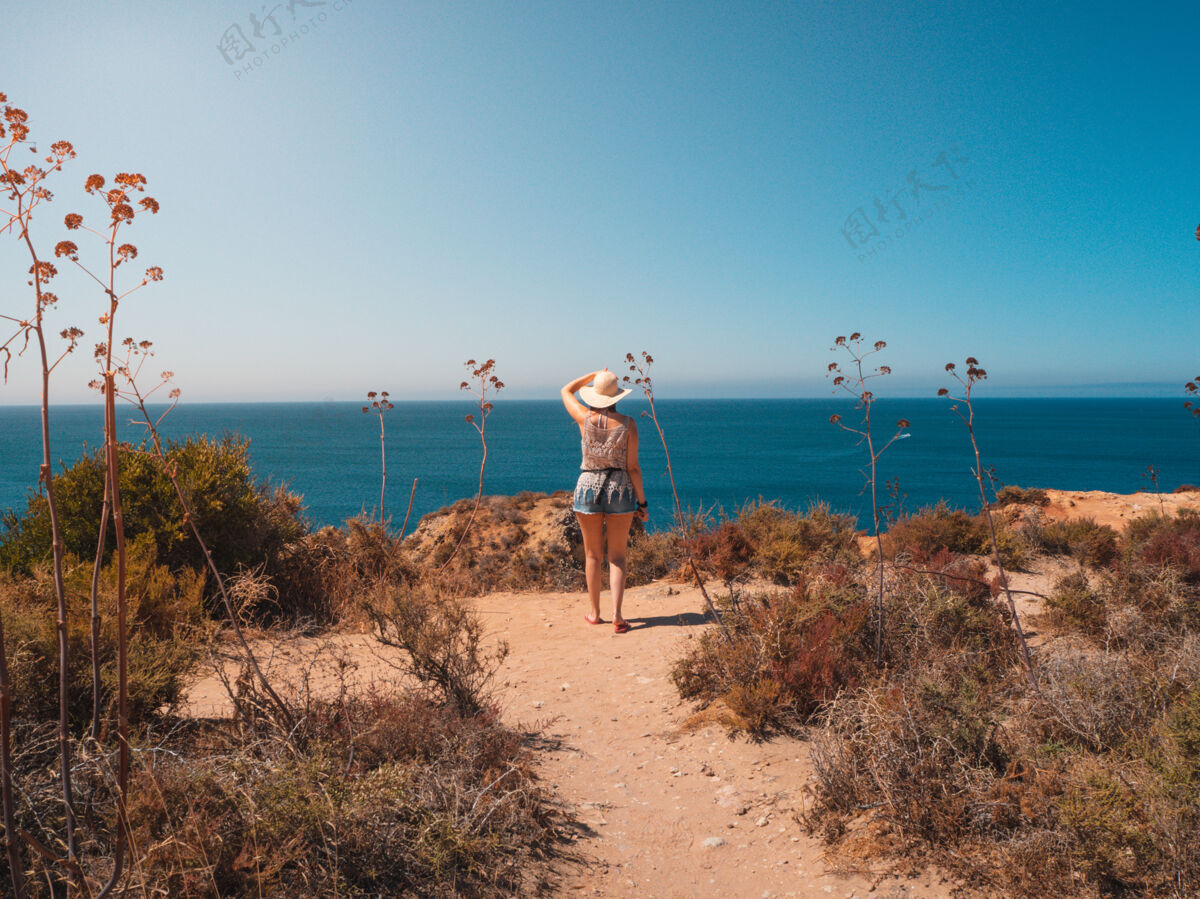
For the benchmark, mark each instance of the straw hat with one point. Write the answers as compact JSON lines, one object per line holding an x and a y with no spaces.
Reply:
{"x":604,"y":391}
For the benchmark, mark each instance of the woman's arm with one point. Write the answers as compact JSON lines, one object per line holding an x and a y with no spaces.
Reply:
{"x":635,"y":470}
{"x":576,"y":409}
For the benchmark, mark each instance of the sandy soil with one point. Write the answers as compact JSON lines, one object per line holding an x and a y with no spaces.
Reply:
{"x":1115,"y":509}
{"x":668,"y":805}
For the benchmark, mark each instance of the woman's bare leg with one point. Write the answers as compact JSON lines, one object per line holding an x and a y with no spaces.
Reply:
{"x":618,"y":536}
{"x":592,"y":528}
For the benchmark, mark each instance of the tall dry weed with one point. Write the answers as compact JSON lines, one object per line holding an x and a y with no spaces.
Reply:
{"x":975,"y":374}
{"x":855,"y":384}
{"x":485,"y":379}
{"x":645,"y":382}
{"x":379,"y":404}
{"x":24,"y":190}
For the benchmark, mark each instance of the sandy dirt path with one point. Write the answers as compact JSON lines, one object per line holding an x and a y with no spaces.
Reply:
{"x":667,"y":808}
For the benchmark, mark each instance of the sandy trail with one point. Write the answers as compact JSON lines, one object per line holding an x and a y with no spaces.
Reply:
{"x":668,"y":809}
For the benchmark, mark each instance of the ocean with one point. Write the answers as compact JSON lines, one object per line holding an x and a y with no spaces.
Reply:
{"x":724,"y":452}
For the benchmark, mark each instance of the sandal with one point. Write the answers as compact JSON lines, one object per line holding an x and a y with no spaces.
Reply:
{"x":590,"y":620}
{"x":620,"y":627}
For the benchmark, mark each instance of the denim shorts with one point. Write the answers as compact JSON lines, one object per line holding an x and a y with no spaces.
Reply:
{"x":605,"y":492}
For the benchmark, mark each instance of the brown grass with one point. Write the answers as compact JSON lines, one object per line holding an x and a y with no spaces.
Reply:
{"x":1085,"y":785}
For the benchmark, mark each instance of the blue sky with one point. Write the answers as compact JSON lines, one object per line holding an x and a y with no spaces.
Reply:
{"x":401,"y":187}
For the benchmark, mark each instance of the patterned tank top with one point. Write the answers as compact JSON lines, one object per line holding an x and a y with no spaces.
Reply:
{"x":604,"y":447}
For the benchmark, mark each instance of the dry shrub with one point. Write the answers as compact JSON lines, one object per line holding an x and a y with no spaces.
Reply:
{"x":321,"y":578}
{"x":1074,"y":604}
{"x":491,"y":533}
{"x":788,"y":653}
{"x":253,"y":596}
{"x":1160,"y":593}
{"x":527,"y":542}
{"x":329,"y":570}
{"x":927,"y":753}
{"x":652,"y":556}
{"x":942,"y":528}
{"x":932,"y":617}
{"x":1082,"y":538}
{"x":191,"y":829}
{"x":967,"y":575}
{"x":939,"y":527}
{"x":410,"y":788}
{"x":1011,"y":494}
{"x":1094,"y":699}
{"x":1170,"y":541}
{"x":402,"y":798}
{"x":1136,"y":658}
{"x":442,"y":642}
{"x":725,"y":552}
{"x":513,"y":544}
{"x":391,"y":796}
{"x":1088,"y":785}
{"x":783,"y":542}
{"x":165,"y":615}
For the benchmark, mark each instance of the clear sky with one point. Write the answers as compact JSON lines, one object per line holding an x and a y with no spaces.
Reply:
{"x":384,"y":190}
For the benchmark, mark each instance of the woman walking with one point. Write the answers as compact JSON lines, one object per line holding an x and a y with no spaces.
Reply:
{"x":609,"y":491}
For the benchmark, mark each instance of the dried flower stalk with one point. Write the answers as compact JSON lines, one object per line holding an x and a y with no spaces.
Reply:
{"x":856,"y":385}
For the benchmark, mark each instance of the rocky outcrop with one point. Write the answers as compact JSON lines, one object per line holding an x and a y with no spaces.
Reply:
{"x":527,"y":541}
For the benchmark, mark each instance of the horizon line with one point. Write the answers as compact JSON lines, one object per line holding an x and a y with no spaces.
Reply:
{"x":701,"y":399}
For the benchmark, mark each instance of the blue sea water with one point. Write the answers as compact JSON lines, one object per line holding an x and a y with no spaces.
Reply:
{"x":723,"y":452}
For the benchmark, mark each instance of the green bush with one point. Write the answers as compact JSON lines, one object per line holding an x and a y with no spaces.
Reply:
{"x":243,"y":522}
{"x":1183,"y":728}
{"x":164,"y":615}
{"x":1104,"y":812}
{"x":1135,"y":817}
